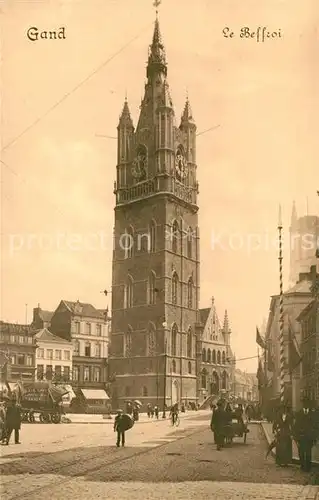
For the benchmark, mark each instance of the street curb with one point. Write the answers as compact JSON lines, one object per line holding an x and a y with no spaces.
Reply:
{"x":295,"y":460}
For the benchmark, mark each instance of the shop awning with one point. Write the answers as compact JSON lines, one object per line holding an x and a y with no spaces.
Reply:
{"x":95,"y":394}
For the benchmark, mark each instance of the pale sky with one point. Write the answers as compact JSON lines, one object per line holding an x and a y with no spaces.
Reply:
{"x":58,"y":178}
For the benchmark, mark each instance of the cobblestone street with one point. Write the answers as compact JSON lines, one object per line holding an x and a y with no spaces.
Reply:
{"x":78,"y":461}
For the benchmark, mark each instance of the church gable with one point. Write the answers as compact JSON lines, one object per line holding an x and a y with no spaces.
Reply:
{"x":212,"y":329}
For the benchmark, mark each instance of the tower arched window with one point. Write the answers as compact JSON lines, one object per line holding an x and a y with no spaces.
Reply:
{"x":190,"y":286}
{"x":214,"y":357}
{"x":151,"y":340}
{"x":204,"y":355}
{"x":174,"y":340}
{"x":128,"y":342}
{"x":173,"y":366}
{"x":175,"y":283}
{"x":152,"y":288}
{"x":189,"y":343}
{"x":128,"y":293}
{"x":144,"y":393}
{"x":189,"y":243}
{"x":224,"y":380}
{"x":224,"y":358}
{"x":218,"y":358}
{"x":209,"y":356}
{"x":175,"y":237}
{"x":189,"y":368}
{"x":152,"y":237}
{"x":127,"y":242}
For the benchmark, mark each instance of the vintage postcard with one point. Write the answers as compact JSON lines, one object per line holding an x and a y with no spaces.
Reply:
{"x":159,"y":320}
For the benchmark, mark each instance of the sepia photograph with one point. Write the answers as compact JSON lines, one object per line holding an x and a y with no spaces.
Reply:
{"x":159,"y":313}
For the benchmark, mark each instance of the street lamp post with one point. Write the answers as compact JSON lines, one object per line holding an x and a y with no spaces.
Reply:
{"x":165,"y":369}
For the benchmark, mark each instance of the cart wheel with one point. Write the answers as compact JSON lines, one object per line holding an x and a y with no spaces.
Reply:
{"x":55,"y":418}
{"x":31,"y":417}
{"x":245,"y":437}
{"x":42,"y":418}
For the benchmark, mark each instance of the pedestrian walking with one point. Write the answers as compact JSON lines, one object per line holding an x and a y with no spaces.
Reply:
{"x":305,"y":435}
{"x":156,"y":411}
{"x":218,"y":422}
{"x":13,"y":422}
{"x":149,"y":410}
{"x":282,"y":428}
{"x":136,"y":415}
{"x":2,"y":422}
{"x":120,"y":428}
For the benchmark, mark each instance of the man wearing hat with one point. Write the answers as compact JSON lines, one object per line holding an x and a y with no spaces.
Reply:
{"x":218,"y":422}
{"x":305,"y":434}
{"x":120,"y":428}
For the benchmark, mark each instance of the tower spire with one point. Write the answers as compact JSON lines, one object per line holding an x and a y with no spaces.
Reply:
{"x":156,"y":56}
{"x":294,"y":216}
{"x":125,"y":116}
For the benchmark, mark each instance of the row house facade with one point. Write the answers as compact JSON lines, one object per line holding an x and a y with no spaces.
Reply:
{"x":216,"y":360}
{"x":245,"y":386}
{"x":309,"y":321}
{"x":18,"y":346}
{"x":88,"y":330}
{"x":53,"y":357}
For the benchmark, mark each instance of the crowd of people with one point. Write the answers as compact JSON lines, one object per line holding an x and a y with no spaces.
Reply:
{"x":10,"y":420}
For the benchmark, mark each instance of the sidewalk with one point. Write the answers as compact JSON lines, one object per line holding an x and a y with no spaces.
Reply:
{"x":77,"y":418}
{"x":267,"y":428}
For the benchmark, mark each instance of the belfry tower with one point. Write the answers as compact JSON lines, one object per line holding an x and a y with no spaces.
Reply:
{"x":155,"y":274}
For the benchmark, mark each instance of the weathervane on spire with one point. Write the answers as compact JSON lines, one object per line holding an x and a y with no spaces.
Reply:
{"x":156,"y":3}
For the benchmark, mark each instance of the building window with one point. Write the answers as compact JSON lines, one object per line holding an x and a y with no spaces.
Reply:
{"x":190,"y":285}
{"x":75,"y":374}
{"x":97,"y":374}
{"x":173,"y":366}
{"x":88,"y":328}
{"x":174,"y":340}
{"x":66,"y":373}
{"x":204,"y":379}
{"x":48,"y":372}
{"x":174,"y":288}
{"x":40,"y":372}
{"x":127,"y":391}
{"x":21,"y":339}
{"x":204,"y":355}
{"x":189,"y":343}
{"x":128,"y":342}
{"x":214,"y":357}
{"x":98,"y":350}
{"x":209,"y":356}
{"x":128,"y":293}
{"x":66,"y":355}
{"x":127,"y":243}
{"x":151,"y":340}
{"x":144,"y":392}
{"x":86,"y":373}
{"x":58,"y":372}
{"x":77,"y":326}
{"x":223,"y":358}
{"x":49,"y":353}
{"x":224,"y":380}
{"x":152,"y":288}
{"x":76,"y":345}
{"x":98,"y":330}
{"x":87,"y":350}
{"x":175,"y":237}
{"x":13,"y":359}
{"x":20,"y":359}
{"x":12,"y":339}
{"x":189,"y":368}
{"x":58,"y":354}
{"x":218,"y":358}
{"x":189,"y":243}
{"x":152,"y":241}
{"x":40,"y":353}
{"x":29,"y":360}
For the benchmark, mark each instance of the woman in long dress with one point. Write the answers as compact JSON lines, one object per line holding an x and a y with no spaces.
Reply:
{"x":282,"y":428}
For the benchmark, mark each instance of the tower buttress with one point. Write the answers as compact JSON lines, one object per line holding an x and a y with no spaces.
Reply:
{"x":125,"y":135}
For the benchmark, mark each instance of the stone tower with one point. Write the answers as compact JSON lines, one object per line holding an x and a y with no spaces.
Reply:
{"x":155,"y":274}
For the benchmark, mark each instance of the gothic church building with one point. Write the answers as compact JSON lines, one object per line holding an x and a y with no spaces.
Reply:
{"x":155,"y":355}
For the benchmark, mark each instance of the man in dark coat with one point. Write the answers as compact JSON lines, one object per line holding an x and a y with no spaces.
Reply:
{"x":305,"y":435}
{"x":120,"y":428}
{"x":218,"y":422}
{"x":13,"y":422}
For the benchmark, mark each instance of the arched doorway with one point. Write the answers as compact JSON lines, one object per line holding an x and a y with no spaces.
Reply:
{"x":214,"y":386}
{"x":175,"y":392}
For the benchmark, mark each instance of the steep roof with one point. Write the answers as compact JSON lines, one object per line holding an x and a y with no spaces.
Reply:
{"x":203,"y":314}
{"x":306,"y":310}
{"x":46,"y":336}
{"x":83,"y":309}
{"x":15,"y":328}
{"x":46,"y":315}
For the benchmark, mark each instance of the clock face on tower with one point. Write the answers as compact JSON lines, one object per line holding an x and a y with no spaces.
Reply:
{"x":180,"y":166}
{"x":139,"y":167}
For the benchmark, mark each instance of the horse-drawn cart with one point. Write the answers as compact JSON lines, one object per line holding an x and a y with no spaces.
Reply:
{"x":40,"y":401}
{"x":236,"y":428}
